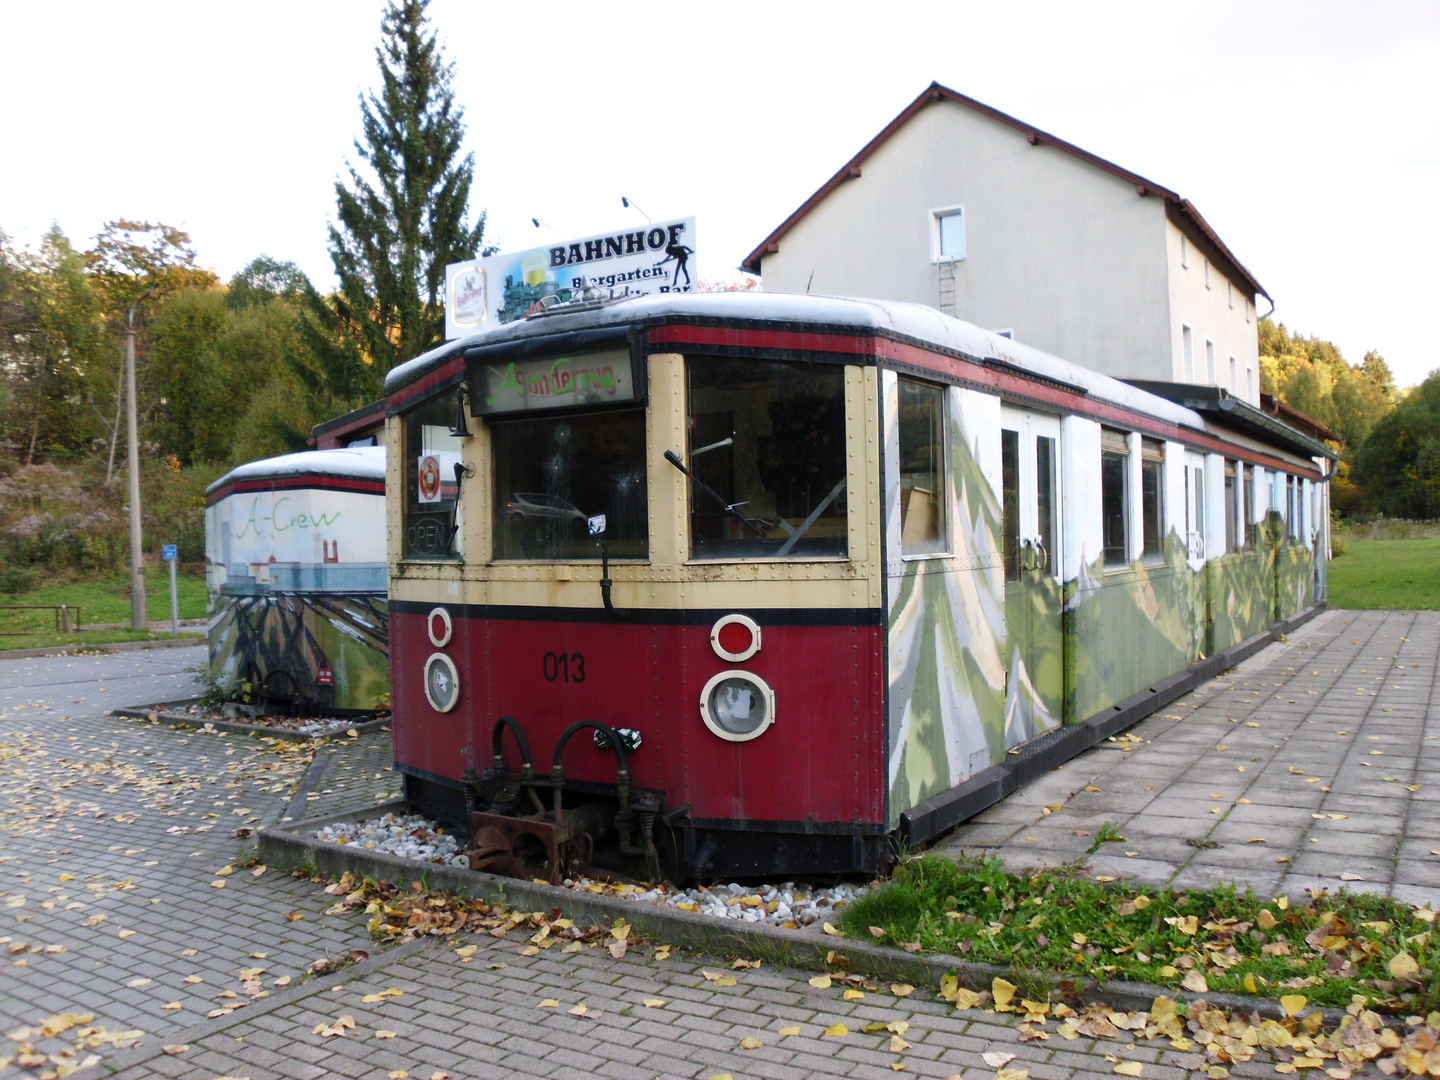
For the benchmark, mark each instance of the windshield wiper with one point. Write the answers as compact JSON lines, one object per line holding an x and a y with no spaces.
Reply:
{"x":729,"y":508}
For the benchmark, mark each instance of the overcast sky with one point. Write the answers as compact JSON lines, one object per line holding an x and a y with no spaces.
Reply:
{"x":1307,"y":133}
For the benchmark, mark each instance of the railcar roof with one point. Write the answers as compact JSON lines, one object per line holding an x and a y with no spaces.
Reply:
{"x":917,"y":322}
{"x":364,"y":462}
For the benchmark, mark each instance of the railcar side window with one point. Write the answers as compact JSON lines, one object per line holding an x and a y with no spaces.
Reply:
{"x":1114,"y":495}
{"x":1152,"y":492}
{"x":767,"y":449}
{"x":553,"y":474}
{"x":1232,"y":531}
{"x":922,"y":468}
{"x":1247,"y":506}
{"x":1010,"y":501}
{"x":431,"y":493}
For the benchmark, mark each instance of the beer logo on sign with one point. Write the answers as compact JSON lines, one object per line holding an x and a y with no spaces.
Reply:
{"x":429,"y":479}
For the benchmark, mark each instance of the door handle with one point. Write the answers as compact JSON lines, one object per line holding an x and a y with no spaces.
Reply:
{"x":1042,"y":555}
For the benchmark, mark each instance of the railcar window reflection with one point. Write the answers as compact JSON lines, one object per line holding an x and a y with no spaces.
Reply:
{"x":553,"y":474}
{"x":430,"y":503}
{"x":1114,"y":495}
{"x":1152,"y":466}
{"x":1010,"y":501}
{"x":1232,"y":531}
{"x":922,"y":468}
{"x":767,"y":438}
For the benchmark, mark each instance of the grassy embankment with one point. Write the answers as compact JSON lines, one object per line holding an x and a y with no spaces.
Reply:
{"x":100,"y":602}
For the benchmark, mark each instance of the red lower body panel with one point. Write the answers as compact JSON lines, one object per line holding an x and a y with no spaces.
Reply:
{"x":821,"y":763}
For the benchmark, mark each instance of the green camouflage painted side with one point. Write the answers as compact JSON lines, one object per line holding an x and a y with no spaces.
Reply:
{"x":948,"y":654}
{"x":1294,"y":579}
{"x":1127,"y":629}
{"x":1240,"y":589}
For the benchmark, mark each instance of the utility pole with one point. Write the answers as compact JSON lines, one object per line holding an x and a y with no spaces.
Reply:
{"x":139,"y":618}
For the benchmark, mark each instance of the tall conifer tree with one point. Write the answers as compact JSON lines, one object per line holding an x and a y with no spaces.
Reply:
{"x":402,"y":215}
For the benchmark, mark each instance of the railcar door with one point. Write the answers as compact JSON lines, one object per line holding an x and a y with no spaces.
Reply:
{"x":1030,"y":463}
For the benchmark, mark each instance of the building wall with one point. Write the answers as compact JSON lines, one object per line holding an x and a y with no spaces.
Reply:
{"x":1217,"y":311}
{"x":1068,"y":256}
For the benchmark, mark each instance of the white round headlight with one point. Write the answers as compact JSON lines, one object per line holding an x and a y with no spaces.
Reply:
{"x":442,"y":682}
{"x":737,"y":705}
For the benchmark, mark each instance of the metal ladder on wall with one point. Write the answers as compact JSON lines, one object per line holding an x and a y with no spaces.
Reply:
{"x":947,"y":287}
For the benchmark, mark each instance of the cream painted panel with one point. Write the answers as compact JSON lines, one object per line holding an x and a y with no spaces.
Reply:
{"x":1136,"y":520}
{"x":890,"y":396}
{"x":665,"y":430}
{"x":1080,"y":513}
{"x":979,"y":416}
{"x":1263,"y":479}
{"x":1175,"y":488}
{"x":1209,"y":313}
{"x":1214,"y":506}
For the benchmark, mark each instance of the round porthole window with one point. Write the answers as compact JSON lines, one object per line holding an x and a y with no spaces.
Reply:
{"x":440,"y":627}
{"x":735,"y":638}
{"x":442,"y":682}
{"x":737,"y":706}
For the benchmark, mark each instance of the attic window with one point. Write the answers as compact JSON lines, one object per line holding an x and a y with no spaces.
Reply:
{"x":947,"y":234}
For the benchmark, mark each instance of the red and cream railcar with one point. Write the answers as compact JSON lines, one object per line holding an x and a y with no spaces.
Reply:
{"x":740,"y":584}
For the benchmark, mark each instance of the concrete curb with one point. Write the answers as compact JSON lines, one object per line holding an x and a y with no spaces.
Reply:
{"x":129,"y":1059}
{"x":155,"y":714}
{"x":289,"y":848}
{"x":109,"y":646}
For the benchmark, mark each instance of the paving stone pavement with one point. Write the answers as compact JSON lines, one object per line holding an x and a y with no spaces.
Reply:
{"x":111,"y":833}
{"x":142,"y":816}
{"x":1326,"y":747}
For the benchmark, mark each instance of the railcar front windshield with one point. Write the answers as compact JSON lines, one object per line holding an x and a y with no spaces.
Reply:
{"x":767,"y":439}
{"x":554,"y":473}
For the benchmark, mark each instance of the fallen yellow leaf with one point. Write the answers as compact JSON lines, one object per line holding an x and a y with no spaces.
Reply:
{"x":1003,"y":992}
{"x":1403,"y":966}
{"x":1129,"y":1068}
{"x":549,"y":1003}
{"x":830,"y":929}
{"x":750,"y":1044}
{"x":836,"y":1030}
{"x":1293,"y":1003}
{"x":820,"y":982}
{"x":1195,"y":983}
{"x":654,"y":1003}
{"x":793,"y":1029}
{"x":854,"y":995}
{"x":901,"y":990}
{"x":383,"y":1034}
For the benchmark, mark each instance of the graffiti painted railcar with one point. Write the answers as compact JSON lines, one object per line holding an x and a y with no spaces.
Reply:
{"x":749,"y":584}
{"x":296,"y":575}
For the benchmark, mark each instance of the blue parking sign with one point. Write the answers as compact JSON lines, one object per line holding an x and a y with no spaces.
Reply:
{"x":167,"y":552}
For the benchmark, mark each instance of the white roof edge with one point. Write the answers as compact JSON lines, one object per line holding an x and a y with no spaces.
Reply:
{"x":917,"y":321}
{"x":362,"y":462}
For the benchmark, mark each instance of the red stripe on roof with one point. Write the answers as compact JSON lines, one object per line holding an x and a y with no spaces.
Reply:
{"x":290,"y":483}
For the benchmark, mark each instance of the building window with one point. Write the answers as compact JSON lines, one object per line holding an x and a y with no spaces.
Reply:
{"x":947,"y":234}
{"x":1233,"y":386}
{"x":1230,"y":292}
{"x":1207,"y":273}
{"x":432,"y":491}
{"x":1187,"y":349}
{"x":922,"y":468}
{"x":1232,"y":510}
{"x":1114,"y":495}
{"x":553,"y":474}
{"x":1152,"y":497}
{"x":1184,"y":253}
{"x":1250,"y":384}
{"x":767,"y":438}
{"x":1210,"y":363}
{"x":1248,"y":310}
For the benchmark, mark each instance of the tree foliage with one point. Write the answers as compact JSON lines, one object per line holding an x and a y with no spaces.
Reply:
{"x":403,"y":214}
{"x":1400,"y":461}
{"x":1310,"y":374}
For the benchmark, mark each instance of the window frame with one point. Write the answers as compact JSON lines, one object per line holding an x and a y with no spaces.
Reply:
{"x":937,"y":254}
{"x":1119,"y":446}
{"x":945,"y":550}
{"x":1152,"y":454}
{"x":444,"y":403}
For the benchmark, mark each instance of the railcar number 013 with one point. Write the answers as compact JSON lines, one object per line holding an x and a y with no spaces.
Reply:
{"x":564,"y":667}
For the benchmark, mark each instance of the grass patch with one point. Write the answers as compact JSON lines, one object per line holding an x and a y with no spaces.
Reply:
{"x":102,"y":602}
{"x":97,"y":639}
{"x":1060,"y":923}
{"x":1387,"y":574}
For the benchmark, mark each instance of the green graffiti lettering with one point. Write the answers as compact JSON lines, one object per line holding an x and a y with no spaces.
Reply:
{"x":275,"y":515}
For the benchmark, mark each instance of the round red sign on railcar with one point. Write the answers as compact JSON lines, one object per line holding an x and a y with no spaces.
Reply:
{"x":735,"y":638}
{"x":440,"y":627}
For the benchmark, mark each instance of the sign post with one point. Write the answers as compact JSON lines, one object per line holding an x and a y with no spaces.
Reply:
{"x":170,"y":555}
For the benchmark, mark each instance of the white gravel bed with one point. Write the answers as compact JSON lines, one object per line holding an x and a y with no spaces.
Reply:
{"x":302,"y":725}
{"x":415,"y":836}
{"x":410,"y":836}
